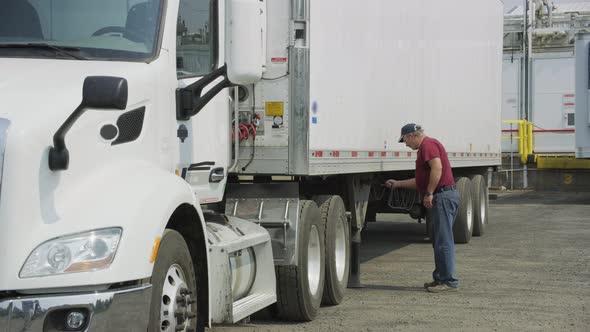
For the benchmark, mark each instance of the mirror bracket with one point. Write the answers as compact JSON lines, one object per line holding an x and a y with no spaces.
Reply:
{"x":102,"y":92}
{"x":191,"y":100}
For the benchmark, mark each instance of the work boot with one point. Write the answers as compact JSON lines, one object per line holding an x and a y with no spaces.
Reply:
{"x":430,"y":284}
{"x":442,"y":288}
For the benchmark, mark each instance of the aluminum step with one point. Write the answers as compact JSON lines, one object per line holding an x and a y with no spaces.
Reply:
{"x":251,"y":304}
{"x":244,"y":242}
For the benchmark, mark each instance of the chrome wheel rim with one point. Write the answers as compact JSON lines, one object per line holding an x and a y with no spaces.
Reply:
{"x":314,"y":260}
{"x":340,"y":248}
{"x":469,"y":213}
{"x":177,"y":302}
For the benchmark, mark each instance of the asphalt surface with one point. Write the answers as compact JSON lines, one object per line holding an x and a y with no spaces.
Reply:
{"x":529,"y":272}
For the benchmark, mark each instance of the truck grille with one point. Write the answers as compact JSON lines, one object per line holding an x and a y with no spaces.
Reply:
{"x":4,"y":124}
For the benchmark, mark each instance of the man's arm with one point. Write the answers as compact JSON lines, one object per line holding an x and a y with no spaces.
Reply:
{"x":407,"y":184}
{"x":435,"y":174}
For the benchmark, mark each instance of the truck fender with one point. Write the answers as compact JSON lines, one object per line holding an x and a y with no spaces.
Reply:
{"x":139,"y":199}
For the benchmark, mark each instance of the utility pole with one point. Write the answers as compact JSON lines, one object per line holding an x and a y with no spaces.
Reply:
{"x":527,"y":62}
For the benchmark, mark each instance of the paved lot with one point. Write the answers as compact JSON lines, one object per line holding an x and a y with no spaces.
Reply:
{"x":530,"y":272}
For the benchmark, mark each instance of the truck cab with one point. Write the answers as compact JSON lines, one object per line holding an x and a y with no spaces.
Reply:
{"x":100,"y":176}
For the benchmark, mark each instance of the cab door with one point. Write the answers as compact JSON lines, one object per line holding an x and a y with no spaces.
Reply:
{"x":205,"y":148}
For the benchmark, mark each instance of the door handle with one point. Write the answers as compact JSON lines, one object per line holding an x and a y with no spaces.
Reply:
{"x":216,"y":175}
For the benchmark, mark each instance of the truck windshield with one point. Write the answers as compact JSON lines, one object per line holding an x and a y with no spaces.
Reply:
{"x":124,"y":30}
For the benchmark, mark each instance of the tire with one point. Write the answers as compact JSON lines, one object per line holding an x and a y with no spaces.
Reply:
{"x":481,"y":204}
{"x":174,"y":288}
{"x":300,"y":288}
{"x":337,"y":244}
{"x":463,"y":227}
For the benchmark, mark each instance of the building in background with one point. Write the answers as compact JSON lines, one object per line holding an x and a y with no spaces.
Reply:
{"x":539,"y":73}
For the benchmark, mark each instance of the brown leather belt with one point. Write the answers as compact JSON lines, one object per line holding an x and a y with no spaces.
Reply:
{"x":445,"y":188}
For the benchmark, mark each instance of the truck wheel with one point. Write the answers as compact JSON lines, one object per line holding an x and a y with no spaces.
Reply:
{"x":480,"y":204}
{"x":173,"y":305}
{"x":337,"y":237}
{"x":300,"y":288}
{"x":463,"y":227}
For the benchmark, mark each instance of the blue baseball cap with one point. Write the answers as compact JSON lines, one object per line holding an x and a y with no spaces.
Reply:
{"x":408,"y":129}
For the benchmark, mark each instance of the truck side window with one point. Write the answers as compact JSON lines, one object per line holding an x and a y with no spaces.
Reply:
{"x":194,"y":42}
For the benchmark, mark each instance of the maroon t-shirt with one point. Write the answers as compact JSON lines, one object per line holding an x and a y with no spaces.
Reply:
{"x":430,"y":149}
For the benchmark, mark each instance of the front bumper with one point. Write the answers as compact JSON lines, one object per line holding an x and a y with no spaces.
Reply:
{"x":125,"y":309}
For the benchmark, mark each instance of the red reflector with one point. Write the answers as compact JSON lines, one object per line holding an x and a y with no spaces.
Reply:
{"x":319,"y":154}
{"x":371,"y":154}
{"x":355,"y":154}
{"x":335,"y":153}
{"x":383,"y":154}
{"x":396,"y":154}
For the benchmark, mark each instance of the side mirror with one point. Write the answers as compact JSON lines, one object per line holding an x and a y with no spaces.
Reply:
{"x":245,"y":40}
{"x":101,"y":92}
{"x":105,"y":92}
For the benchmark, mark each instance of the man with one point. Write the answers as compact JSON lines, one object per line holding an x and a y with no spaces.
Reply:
{"x":436,"y":186}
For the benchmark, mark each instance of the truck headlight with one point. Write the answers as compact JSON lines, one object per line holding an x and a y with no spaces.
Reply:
{"x":88,"y":251}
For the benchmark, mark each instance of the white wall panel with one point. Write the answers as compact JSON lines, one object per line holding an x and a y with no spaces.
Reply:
{"x":553,"y":81}
{"x":510,"y":101}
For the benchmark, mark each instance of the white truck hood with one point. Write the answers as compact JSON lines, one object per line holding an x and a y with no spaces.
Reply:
{"x":37,"y":204}
{"x":41,"y":91}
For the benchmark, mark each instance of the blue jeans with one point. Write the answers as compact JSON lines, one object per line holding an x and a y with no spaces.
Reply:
{"x":444,"y":211}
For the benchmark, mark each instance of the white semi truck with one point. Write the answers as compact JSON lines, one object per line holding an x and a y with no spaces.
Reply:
{"x":171,"y":164}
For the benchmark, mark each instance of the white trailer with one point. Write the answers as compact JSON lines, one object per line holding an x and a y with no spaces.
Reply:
{"x":126,"y":204}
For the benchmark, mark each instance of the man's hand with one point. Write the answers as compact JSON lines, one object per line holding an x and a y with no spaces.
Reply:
{"x":391,"y":184}
{"x":427,"y":201}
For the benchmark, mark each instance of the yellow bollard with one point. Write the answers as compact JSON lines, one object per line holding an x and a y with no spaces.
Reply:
{"x":530,"y":138}
{"x":525,"y":138}
{"x":522,"y":141}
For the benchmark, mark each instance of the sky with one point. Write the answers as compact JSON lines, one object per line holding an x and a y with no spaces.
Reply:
{"x":509,"y":4}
